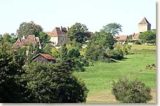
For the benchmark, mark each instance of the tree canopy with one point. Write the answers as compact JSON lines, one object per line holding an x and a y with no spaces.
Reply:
{"x":11,"y":62}
{"x":113,"y":28}
{"x":148,"y":36}
{"x":8,"y":38}
{"x":48,"y":83}
{"x":78,"y":33}
{"x":29,"y":28}
{"x":99,"y":43}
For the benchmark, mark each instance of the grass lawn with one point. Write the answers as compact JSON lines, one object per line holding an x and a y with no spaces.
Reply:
{"x":98,"y":78}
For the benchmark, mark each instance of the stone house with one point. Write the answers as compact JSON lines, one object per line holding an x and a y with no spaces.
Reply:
{"x":25,"y":41}
{"x":121,"y":38}
{"x":58,"y":36}
{"x":143,"y":26}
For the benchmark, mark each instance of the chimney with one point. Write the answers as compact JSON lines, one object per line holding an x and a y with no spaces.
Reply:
{"x":61,"y":28}
{"x":23,"y":37}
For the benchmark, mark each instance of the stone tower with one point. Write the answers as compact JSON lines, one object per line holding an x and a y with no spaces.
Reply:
{"x":144,"y":25}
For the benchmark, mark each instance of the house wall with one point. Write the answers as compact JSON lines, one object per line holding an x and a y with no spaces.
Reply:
{"x":62,"y":40}
{"x":59,"y":40}
{"x":54,"y":40}
{"x":144,"y":27}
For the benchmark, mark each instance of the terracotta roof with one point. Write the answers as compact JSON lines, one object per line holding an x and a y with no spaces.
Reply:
{"x":121,"y":38}
{"x":144,"y":21}
{"x":30,"y":39}
{"x":47,"y":56}
{"x":57,"y":31}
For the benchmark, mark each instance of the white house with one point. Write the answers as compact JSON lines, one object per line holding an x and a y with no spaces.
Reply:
{"x":58,"y":36}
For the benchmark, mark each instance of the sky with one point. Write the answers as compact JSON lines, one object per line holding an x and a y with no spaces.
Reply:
{"x":93,"y":13}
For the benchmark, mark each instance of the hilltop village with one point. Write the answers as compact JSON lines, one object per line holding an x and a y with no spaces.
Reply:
{"x":74,"y":65}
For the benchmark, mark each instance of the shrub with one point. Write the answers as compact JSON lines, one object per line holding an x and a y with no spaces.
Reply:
{"x":48,"y":83}
{"x":115,"y":54}
{"x":138,"y":42}
{"x":125,"y":48}
{"x":131,"y":91}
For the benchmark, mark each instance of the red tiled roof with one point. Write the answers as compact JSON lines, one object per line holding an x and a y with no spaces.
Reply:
{"x":30,"y":39}
{"x":57,"y":31}
{"x":121,"y":38}
{"x":47,"y":56}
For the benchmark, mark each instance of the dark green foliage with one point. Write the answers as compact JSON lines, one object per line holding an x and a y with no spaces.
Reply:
{"x":81,"y":37}
{"x":47,"y":48}
{"x":31,"y":51}
{"x":98,"y":45}
{"x":9,"y":38}
{"x":103,"y":39}
{"x":63,"y":53}
{"x":112,"y":28}
{"x":115,"y":54}
{"x":11,"y":62}
{"x":29,"y":28}
{"x":138,"y":42}
{"x":48,"y":83}
{"x":73,"y":53}
{"x":131,"y":91}
{"x":78,"y":60}
{"x":94,"y":52}
{"x":44,"y":38}
{"x":74,"y":56}
{"x":78,"y":34}
{"x":22,"y":81}
{"x":148,"y":36}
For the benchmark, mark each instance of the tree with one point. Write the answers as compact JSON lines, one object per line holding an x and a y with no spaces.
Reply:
{"x":148,"y":36}
{"x":63,"y":53}
{"x":29,"y":28}
{"x":73,"y":56}
{"x":11,"y":62}
{"x":50,"y":83}
{"x":99,"y":43}
{"x":47,"y":48}
{"x":112,"y":28}
{"x":55,"y":52}
{"x":78,"y":60}
{"x":78,"y":33}
{"x":44,"y":38}
{"x":9,"y":38}
{"x":131,"y":91}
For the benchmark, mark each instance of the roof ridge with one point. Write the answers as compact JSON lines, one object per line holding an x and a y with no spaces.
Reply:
{"x":144,"y":21}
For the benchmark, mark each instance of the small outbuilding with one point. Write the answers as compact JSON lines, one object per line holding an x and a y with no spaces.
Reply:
{"x":41,"y":57}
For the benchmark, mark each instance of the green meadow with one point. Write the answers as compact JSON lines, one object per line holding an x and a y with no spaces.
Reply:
{"x":99,"y":77}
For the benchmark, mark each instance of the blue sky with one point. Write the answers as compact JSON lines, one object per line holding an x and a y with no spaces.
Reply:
{"x":93,"y":13}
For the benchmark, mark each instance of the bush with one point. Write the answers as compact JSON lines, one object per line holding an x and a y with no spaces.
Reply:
{"x":48,"y":83}
{"x":131,"y":91}
{"x":138,"y":42}
{"x":115,"y":54}
{"x":125,"y":48}
{"x":148,"y":36}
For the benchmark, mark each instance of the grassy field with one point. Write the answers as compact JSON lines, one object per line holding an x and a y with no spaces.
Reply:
{"x":99,"y":77}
